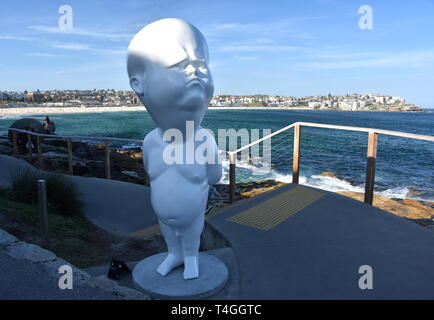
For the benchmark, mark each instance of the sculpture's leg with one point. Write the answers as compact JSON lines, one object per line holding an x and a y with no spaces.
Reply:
{"x":174,"y":257}
{"x":190,"y":241}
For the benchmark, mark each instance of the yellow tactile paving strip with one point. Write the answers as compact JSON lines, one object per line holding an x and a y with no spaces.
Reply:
{"x":274,"y":211}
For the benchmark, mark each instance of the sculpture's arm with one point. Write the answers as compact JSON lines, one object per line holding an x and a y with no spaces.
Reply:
{"x":145,"y":150}
{"x":214,"y":169}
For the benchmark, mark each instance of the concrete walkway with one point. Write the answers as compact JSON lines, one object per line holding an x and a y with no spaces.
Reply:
{"x":118,"y":207}
{"x":316,"y":253}
{"x":30,"y":272}
{"x":21,"y":280}
{"x":311,"y":247}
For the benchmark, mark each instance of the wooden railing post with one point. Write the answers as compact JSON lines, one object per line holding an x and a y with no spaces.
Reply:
{"x":370,"y":167}
{"x":70,"y":164}
{"x":15,"y":142}
{"x":40,"y":157}
{"x":232,"y":163}
{"x":29,"y":144}
{"x":296,"y":155}
{"x":107,"y":159}
{"x":43,"y":212}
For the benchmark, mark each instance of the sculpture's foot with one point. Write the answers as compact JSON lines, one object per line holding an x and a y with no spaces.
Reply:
{"x":171,"y":262}
{"x":191,"y":268}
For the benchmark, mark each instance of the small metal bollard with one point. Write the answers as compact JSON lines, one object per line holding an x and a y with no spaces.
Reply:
{"x":43,"y":212}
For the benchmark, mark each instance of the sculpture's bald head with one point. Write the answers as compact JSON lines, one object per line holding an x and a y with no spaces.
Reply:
{"x":168,"y":69}
{"x":166,"y":42}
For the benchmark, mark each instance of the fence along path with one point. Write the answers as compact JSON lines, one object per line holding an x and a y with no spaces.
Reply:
{"x":372,"y":145}
{"x":69,"y":140}
{"x":371,"y":155}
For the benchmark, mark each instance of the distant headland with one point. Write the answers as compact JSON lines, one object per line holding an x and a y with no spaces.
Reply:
{"x":72,"y":101}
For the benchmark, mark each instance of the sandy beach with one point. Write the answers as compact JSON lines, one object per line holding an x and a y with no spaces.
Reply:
{"x":66,"y":110}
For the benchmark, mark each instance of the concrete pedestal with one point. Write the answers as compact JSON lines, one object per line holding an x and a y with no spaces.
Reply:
{"x":213,"y":275}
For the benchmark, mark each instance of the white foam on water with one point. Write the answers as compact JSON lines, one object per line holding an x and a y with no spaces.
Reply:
{"x":399,"y":192}
{"x":325,"y":183}
{"x":331,"y":184}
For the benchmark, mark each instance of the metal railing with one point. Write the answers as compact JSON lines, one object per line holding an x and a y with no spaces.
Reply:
{"x":371,"y":155}
{"x":69,"y":140}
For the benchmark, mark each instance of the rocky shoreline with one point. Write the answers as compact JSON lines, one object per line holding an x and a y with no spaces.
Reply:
{"x":127,"y":166}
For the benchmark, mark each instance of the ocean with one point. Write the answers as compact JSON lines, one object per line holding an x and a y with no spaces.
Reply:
{"x":405,"y":167}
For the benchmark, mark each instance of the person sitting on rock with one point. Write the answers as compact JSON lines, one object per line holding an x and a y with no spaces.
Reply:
{"x":29,"y":143}
{"x":49,"y":126}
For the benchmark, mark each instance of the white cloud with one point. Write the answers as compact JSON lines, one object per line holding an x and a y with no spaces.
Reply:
{"x":69,"y":46}
{"x":72,"y":46}
{"x":85,"y":33}
{"x":85,"y":47}
{"x":271,"y":30}
{"x":38,"y":54}
{"x":231,"y":48}
{"x":16,"y":38}
{"x":246,"y":58}
{"x":99,"y":68}
{"x":372,"y":60}
{"x":238,"y":26}
{"x":214,"y":65}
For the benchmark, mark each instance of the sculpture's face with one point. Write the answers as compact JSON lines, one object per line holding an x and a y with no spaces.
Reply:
{"x":177,"y":83}
{"x":182,"y":89}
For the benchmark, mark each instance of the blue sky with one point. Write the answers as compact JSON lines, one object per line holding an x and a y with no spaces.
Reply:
{"x":278,"y":47}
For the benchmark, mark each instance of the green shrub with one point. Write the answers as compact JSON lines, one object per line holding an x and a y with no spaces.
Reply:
{"x":62,"y":194}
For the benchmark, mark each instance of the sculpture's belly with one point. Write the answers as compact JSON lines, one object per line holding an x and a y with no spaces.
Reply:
{"x":176,"y":200}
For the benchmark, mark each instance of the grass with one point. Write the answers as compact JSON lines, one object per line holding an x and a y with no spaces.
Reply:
{"x":62,"y":194}
{"x":71,"y":237}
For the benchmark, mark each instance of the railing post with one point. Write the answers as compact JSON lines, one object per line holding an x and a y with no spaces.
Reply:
{"x":107,"y":159}
{"x":232,"y":163}
{"x":29,"y":144}
{"x":15,"y":142}
{"x":296,"y":155}
{"x":43,"y":212}
{"x":70,"y":164}
{"x":370,"y":167}
{"x":40,"y":157}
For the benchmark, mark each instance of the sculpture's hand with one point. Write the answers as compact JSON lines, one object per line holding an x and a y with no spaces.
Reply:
{"x":214,"y":170}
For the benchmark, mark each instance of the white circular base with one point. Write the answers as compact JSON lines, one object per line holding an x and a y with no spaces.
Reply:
{"x":213,"y":275}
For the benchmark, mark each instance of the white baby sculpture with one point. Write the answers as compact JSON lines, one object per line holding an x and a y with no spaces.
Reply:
{"x":168,"y":70}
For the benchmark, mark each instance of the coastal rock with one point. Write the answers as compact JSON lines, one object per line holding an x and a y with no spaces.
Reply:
{"x":254,"y":188}
{"x":28,"y":124}
{"x":5,"y":149}
{"x":412,"y":192}
{"x":425,"y":222}
{"x":6,"y":238}
{"x":336,"y":176}
{"x":130,"y":174}
{"x":55,"y":142}
{"x":419,"y":207}
{"x":27,"y":251}
{"x":329,"y":174}
{"x":410,"y":209}
{"x":81,"y":152}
